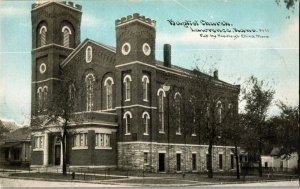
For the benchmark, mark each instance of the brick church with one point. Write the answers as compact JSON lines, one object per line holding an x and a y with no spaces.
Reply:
{"x":121,"y":97}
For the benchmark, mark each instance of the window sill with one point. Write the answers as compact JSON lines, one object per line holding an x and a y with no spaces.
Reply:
{"x":178,"y":133}
{"x":161,"y":132}
{"x":146,"y":134}
{"x":127,"y":100}
{"x":194,"y":135}
{"x":38,"y":149}
{"x":145,"y":100}
{"x":103,"y":148}
{"x":80,"y":148}
{"x":127,"y":133}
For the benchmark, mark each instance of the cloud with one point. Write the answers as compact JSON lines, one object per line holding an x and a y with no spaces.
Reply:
{"x":290,"y":36}
{"x":13,"y":11}
{"x":90,"y":20}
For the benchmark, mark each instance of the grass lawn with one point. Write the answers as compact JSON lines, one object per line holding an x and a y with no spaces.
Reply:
{"x":60,"y":176}
{"x":171,"y":179}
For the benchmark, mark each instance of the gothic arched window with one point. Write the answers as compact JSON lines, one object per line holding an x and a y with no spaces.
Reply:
{"x":127,"y":116}
{"x":192,"y":103}
{"x":145,"y":81}
{"x":127,"y":81}
{"x":88,"y":54}
{"x":89,"y":81}
{"x":146,"y":118}
{"x":219,"y":111}
{"x":40,"y":98}
{"x":43,"y":35}
{"x":161,"y":94}
{"x":72,"y":91}
{"x":109,"y":95}
{"x":45,"y":96}
{"x":177,"y":100}
{"x":66,"y":36}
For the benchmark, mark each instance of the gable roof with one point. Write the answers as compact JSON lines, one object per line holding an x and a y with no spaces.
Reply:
{"x":21,"y":134}
{"x":9,"y":125}
{"x":81,"y":45}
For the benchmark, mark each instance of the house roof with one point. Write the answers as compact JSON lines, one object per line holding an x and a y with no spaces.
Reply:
{"x":9,"y":125}
{"x":275,"y":152}
{"x":21,"y":134}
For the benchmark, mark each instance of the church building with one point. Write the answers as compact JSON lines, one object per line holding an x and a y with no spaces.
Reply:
{"x":125,"y":98}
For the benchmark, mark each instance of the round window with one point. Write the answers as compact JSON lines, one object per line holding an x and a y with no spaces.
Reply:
{"x":126,"y":48}
{"x":42,"y":68}
{"x":146,"y":49}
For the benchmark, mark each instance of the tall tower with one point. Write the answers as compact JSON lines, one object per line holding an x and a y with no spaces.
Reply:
{"x":55,"y":34}
{"x":135,"y":64}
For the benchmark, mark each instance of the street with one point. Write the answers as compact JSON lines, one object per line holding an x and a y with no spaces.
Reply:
{"x":8,"y":182}
{"x":263,"y":184}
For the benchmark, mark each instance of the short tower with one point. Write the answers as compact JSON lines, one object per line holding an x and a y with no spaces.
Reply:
{"x":135,"y":36}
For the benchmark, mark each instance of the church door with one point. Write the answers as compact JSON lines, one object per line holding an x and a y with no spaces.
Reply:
{"x":57,"y":155}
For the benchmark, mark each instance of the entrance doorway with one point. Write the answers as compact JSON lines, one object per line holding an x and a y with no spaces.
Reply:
{"x":57,"y":154}
{"x":161,"y":162}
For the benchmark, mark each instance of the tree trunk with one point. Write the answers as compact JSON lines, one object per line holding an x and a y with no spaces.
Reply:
{"x":236,"y":154}
{"x":64,"y":165}
{"x":209,"y":166}
{"x":259,"y":159}
{"x":298,"y":151}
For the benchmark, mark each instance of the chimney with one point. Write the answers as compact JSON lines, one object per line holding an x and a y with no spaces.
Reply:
{"x":216,"y":74}
{"x":167,"y":55}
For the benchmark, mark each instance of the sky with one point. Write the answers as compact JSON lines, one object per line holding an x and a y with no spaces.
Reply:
{"x":274,"y":59}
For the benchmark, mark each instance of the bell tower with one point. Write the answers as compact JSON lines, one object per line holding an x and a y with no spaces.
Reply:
{"x":55,"y":34}
{"x":135,"y":73}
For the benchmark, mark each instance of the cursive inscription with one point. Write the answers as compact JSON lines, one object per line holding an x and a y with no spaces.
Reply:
{"x":219,"y":29}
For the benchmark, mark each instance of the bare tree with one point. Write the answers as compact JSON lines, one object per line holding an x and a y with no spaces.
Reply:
{"x":206,"y":95}
{"x":60,"y":113}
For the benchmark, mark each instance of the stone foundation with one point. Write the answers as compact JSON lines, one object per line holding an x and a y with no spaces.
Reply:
{"x":131,"y":157}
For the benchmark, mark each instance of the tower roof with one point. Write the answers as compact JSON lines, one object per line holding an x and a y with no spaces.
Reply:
{"x":41,"y":3}
{"x":135,"y":17}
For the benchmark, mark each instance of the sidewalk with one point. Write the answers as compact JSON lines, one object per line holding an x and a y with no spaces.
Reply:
{"x":135,"y":181}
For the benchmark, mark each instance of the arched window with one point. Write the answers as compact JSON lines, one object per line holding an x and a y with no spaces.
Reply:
{"x":127,"y":80}
{"x":127,"y":116}
{"x":40,"y":98}
{"x":146,"y":118}
{"x":219,"y":111}
{"x":66,"y":36}
{"x":89,"y":80}
{"x":145,"y":81}
{"x":193,"y":102}
{"x":45,"y":96}
{"x":230,"y":109}
{"x":88,"y":54}
{"x":43,"y":33}
{"x":108,"y":87}
{"x":161,"y":94}
{"x":72,"y":91}
{"x":177,"y":100}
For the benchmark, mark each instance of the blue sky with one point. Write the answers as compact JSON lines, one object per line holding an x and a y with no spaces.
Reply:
{"x":275,"y":59}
